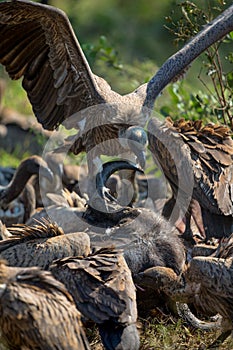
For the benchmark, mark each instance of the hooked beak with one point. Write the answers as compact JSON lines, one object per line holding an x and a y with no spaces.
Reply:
{"x":137,"y":142}
{"x":141,"y":158}
{"x":140,"y":154}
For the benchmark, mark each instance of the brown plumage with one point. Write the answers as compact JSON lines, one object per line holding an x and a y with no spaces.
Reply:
{"x":206,"y":282}
{"x":44,"y":45}
{"x":37,"y":312}
{"x":213,"y":276}
{"x":103,"y":290}
{"x":43,"y":243}
{"x":67,"y":199}
{"x":37,"y":41}
{"x":197,"y":161}
{"x":4,"y":233}
{"x":40,"y":244}
{"x":68,"y":209}
{"x":68,"y":218}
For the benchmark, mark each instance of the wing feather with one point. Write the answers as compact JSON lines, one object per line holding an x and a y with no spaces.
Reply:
{"x":38,"y":312}
{"x":38,"y":43}
{"x":207,"y":150}
{"x":213,"y":273}
{"x":101,"y":285}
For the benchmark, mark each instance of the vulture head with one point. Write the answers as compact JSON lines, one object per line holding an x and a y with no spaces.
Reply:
{"x":135,"y":139}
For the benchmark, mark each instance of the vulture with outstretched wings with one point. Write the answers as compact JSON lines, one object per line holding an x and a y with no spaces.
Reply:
{"x":37,"y":43}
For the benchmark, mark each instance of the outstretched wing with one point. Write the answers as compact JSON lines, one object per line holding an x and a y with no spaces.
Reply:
{"x":37,"y":43}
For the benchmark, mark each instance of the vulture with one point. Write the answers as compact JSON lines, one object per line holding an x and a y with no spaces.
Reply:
{"x":38,"y":44}
{"x":206,"y":282}
{"x":197,"y":161}
{"x":99,"y":281}
{"x":60,"y":84}
{"x":212,"y":277}
{"x":16,"y":211}
{"x":40,"y":244}
{"x":68,"y":208}
{"x":37,"y":312}
{"x":147,"y":241}
{"x":103,"y":290}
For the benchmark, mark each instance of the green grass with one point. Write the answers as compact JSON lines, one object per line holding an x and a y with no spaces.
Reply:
{"x":169,"y":333}
{"x":166,"y":333}
{"x":15,"y":96}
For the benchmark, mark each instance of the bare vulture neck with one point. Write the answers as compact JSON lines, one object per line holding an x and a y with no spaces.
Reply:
{"x":23,"y":173}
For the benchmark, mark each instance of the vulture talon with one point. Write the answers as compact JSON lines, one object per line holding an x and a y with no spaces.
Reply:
{"x":105,"y":194}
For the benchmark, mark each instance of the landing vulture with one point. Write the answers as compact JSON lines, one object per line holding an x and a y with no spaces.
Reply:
{"x":37,"y":43}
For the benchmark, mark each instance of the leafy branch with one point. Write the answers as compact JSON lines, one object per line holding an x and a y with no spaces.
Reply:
{"x":220,"y":90}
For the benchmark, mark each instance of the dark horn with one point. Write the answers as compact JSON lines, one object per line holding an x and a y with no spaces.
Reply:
{"x":111,"y":167}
